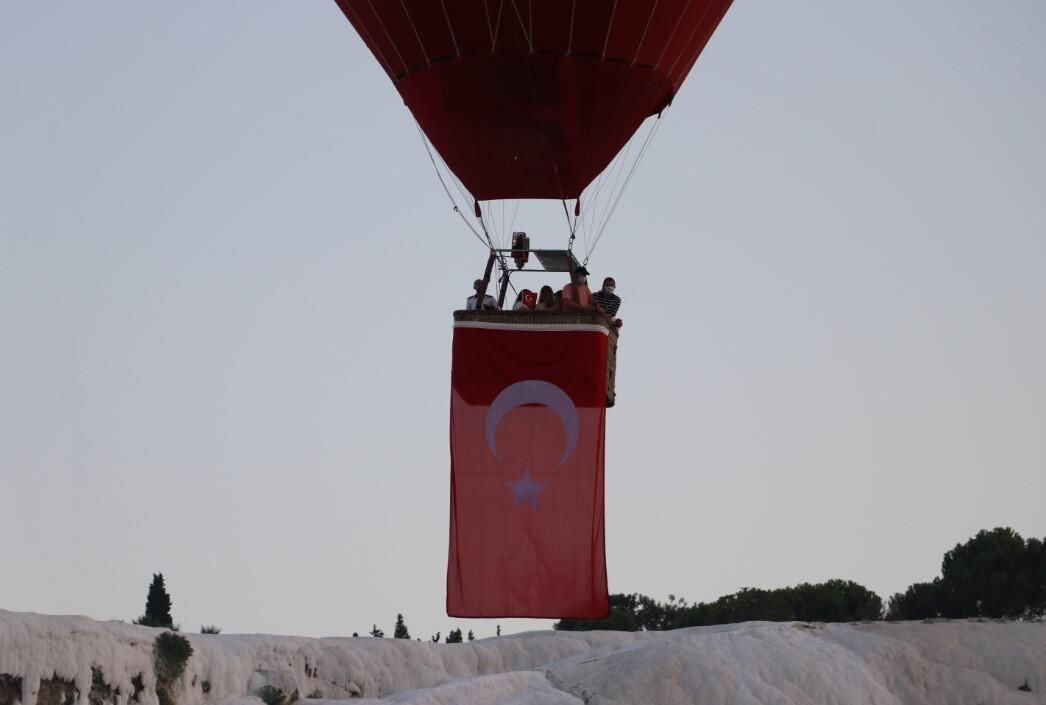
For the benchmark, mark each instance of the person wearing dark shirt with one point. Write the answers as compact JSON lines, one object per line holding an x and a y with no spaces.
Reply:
{"x":606,"y":298}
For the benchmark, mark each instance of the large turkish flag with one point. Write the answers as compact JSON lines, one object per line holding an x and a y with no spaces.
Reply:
{"x":526,"y":440}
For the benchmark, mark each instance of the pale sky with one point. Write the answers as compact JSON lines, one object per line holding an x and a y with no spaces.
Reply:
{"x":227,"y":272}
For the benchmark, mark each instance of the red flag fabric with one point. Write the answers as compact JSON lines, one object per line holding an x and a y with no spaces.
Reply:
{"x":526,"y":437}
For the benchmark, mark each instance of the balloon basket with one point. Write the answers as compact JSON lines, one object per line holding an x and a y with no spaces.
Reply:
{"x":552,"y":322}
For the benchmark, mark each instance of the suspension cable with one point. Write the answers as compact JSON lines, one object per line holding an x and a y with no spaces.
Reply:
{"x":453,"y":203}
{"x":624,"y":187}
{"x":489,"y":244}
{"x":570,"y":226}
{"x":612,"y":174}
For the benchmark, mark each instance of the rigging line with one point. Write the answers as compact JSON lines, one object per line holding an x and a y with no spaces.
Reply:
{"x":490,"y":27}
{"x":642,"y":152}
{"x":500,"y":255}
{"x":573,"y":234}
{"x":388,"y":36}
{"x":646,"y":29}
{"x":457,"y":183}
{"x":454,"y":39}
{"x":523,"y":26}
{"x":613,"y":175}
{"x":686,"y":45}
{"x":592,"y":195}
{"x":672,"y":36}
{"x":530,"y":9}
{"x":465,"y":195}
{"x":628,"y":180}
{"x":615,"y":169}
{"x":610,"y":26}
{"x":619,"y":169}
{"x":490,"y":242}
{"x":453,"y":203}
{"x":570,"y":37}
{"x":514,"y":212}
{"x":573,"y":225}
{"x":357,"y":21}
{"x":498,"y":221}
{"x":424,"y":53}
{"x":497,"y":24}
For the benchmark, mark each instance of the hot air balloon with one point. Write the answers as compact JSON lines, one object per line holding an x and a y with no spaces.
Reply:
{"x":531,"y":99}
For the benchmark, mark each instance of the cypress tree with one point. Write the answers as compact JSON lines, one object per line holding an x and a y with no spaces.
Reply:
{"x":401,"y":631}
{"x":157,"y":605}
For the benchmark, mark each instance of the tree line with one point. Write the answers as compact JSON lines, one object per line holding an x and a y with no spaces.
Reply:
{"x":996,"y":574}
{"x":158,"y":614}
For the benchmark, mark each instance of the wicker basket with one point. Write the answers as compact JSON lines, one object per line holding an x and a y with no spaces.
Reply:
{"x":552,"y":318}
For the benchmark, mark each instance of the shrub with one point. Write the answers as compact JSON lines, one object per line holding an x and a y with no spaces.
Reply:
{"x":271,"y":695}
{"x":172,"y":652}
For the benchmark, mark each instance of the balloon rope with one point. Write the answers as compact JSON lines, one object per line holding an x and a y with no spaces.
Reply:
{"x":453,"y":203}
{"x":570,"y":226}
{"x":612,"y":177}
{"x":624,"y":187}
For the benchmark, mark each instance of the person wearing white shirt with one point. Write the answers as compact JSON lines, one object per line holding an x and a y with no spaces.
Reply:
{"x":489,"y":302}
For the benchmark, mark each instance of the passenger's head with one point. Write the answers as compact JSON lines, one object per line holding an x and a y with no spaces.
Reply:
{"x":609,"y":284}
{"x":546,"y":297}
{"x":477,"y":285}
{"x":581,"y":275}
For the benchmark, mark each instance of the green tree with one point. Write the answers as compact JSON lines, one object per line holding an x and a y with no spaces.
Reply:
{"x":832,"y":601}
{"x":157,"y":605}
{"x":919,"y":601}
{"x":376,"y":633}
{"x":472,"y":637}
{"x":401,"y":631}
{"x":994,"y":574}
{"x":454,"y":636}
{"x":626,"y":615}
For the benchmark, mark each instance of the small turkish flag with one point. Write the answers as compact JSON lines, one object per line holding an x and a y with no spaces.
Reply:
{"x":526,"y":437}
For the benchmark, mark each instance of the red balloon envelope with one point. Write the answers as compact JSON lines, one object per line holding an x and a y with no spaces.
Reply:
{"x":534,"y":98}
